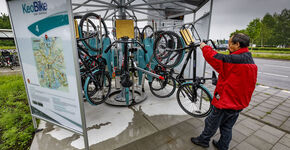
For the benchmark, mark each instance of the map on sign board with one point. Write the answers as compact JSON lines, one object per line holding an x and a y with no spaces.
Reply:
{"x":48,"y":55}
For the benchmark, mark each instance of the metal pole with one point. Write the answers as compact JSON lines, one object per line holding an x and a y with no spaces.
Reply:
{"x":34,"y":122}
{"x":122,"y":13}
{"x":208,"y":30}
{"x":77,"y":71}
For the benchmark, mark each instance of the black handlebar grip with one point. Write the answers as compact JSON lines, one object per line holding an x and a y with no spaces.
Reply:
{"x":206,"y":41}
{"x":214,"y":46}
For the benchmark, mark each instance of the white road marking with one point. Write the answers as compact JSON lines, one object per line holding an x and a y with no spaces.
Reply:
{"x":272,"y":74}
{"x":277,"y":66}
{"x":278,"y":75}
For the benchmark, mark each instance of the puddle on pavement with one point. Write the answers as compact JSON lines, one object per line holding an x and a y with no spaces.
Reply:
{"x":138,"y":128}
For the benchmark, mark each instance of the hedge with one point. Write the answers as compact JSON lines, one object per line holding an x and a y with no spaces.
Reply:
{"x":270,"y":48}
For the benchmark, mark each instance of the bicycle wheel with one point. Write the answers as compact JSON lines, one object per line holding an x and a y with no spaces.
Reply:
{"x":90,"y":28}
{"x":157,"y":33}
{"x":194,"y":100}
{"x":163,"y":46}
{"x":94,"y":91}
{"x":147,"y":31}
{"x":162,"y":88}
{"x":137,"y":34}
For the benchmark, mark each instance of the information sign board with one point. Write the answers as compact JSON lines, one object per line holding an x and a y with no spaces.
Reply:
{"x":44,"y":38}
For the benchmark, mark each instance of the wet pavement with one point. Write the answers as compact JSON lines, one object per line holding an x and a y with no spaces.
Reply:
{"x":161,"y":124}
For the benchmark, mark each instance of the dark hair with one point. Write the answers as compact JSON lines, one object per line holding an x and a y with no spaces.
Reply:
{"x":243,"y":39}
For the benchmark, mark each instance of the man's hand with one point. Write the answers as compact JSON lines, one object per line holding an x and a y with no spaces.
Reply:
{"x":202,"y":45}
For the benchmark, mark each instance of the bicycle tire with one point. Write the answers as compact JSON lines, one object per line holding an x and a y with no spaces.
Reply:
{"x":144,"y":29}
{"x":84,"y":18}
{"x":184,"y":90}
{"x":157,"y":89}
{"x":157,"y":33}
{"x":171,"y":58}
{"x":137,"y":34}
{"x":90,"y":95}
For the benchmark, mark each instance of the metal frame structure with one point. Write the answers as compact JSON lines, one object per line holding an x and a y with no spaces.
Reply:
{"x":137,"y":7}
{"x":6,"y":34}
{"x":131,"y":8}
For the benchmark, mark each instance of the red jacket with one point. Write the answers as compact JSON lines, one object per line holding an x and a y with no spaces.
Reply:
{"x":237,"y":77}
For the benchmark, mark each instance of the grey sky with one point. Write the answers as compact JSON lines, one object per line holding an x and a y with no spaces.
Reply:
{"x":229,"y":15}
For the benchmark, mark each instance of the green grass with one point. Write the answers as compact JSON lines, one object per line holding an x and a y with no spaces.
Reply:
{"x":271,"y":56}
{"x":7,"y":47}
{"x":16,"y":128}
{"x":268,"y":54}
{"x":269,"y":51}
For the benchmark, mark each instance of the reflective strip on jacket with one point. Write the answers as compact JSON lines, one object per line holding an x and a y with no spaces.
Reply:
{"x":237,"y":77}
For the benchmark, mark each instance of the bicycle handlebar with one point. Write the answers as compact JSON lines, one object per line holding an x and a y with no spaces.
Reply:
{"x":118,"y":41}
{"x":209,"y":40}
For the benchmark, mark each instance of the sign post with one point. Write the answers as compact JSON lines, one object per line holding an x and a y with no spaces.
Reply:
{"x":46,"y":43}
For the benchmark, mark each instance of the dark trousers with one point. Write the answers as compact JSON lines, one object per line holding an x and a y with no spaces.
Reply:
{"x":223,"y":119}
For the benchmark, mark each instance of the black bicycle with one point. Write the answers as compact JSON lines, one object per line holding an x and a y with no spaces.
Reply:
{"x":192,"y":96}
{"x":96,"y":81}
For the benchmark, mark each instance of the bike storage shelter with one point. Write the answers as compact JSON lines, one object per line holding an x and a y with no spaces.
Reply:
{"x":44,"y":29}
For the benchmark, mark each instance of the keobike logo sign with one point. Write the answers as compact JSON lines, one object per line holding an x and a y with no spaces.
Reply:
{"x":34,"y":7}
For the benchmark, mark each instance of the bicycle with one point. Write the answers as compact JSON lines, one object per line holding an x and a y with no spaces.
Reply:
{"x":126,"y":69}
{"x":6,"y":59}
{"x":95,"y":80}
{"x":192,"y":97}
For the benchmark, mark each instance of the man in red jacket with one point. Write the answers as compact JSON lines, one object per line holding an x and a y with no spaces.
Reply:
{"x":236,"y":84}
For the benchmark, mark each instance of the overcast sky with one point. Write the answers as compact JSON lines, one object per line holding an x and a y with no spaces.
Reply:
{"x":229,"y":15}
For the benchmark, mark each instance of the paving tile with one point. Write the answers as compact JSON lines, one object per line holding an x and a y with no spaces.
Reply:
{"x":279,"y":146}
{"x":287,"y":104}
{"x":179,"y":143}
{"x":281,"y":112}
{"x":263,"y":96}
{"x":272,"y":121}
{"x":286,"y":125}
{"x":266,"y":136}
{"x":255,"y":93}
{"x":277,"y":99}
{"x":283,"y":93}
{"x":285,"y":140}
{"x":195,"y":122}
{"x":267,"y":105}
{"x":243,"y":129}
{"x":257,"y":100}
{"x":245,"y":146}
{"x":254,"y":103}
{"x":273,"y":131}
{"x":262,"y":108}
{"x":258,"y":142}
{"x":277,"y":116}
{"x":233,"y":144}
{"x":269,"y":101}
{"x":252,"y":124}
{"x":272,"y":91}
{"x":256,"y":113}
{"x":285,"y":108}
{"x":238,"y":136}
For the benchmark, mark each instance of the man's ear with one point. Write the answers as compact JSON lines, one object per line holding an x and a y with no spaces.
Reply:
{"x":238,"y":43}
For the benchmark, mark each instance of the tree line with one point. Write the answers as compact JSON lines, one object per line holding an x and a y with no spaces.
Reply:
{"x":271,"y":30}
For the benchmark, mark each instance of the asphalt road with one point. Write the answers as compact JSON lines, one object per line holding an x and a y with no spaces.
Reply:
{"x":274,"y":73}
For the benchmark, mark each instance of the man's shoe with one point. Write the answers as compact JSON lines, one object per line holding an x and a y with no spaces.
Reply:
{"x":215,"y":144}
{"x":196,"y":141}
